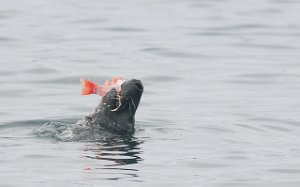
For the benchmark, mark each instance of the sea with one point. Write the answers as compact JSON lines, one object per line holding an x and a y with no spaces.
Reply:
{"x":221,"y":101}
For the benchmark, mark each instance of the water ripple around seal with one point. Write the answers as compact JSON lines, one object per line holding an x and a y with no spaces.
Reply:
{"x":118,"y":150}
{"x":104,"y":154}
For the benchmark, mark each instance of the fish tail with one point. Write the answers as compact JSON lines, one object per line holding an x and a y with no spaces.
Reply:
{"x":88,"y":87}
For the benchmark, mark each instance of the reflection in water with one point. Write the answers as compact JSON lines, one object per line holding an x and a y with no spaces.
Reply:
{"x":119,"y":150}
{"x":117,"y":153}
{"x":108,"y":155}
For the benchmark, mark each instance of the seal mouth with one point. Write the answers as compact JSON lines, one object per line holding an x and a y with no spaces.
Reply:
{"x":118,"y":98}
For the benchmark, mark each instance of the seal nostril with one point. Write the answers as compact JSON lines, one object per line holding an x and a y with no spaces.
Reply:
{"x":139,"y":85}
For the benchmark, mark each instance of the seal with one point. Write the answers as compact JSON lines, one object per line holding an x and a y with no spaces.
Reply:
{"x":116,"y":111}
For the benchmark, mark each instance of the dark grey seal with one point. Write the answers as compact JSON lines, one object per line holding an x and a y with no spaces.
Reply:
{"x":116,"y":111}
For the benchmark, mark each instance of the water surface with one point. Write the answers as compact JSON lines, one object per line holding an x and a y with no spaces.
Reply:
{"x":221,"y":101}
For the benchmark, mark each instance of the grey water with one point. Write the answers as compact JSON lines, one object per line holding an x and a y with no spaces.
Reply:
{"x":221,"y":105}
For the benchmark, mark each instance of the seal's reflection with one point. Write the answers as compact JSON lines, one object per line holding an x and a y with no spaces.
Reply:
{"x":113,"y":158}
{"x":117,"y":150}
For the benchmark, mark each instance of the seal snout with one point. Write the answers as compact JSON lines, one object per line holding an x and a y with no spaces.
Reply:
{"x":139,"y":85}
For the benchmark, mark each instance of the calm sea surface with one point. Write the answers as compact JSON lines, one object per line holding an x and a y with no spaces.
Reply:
{"x":221,"y":105}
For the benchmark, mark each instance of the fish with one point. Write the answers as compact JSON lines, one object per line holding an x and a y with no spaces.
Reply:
{"x":88,"y":87}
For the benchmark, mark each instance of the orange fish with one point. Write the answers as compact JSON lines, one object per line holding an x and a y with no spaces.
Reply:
{"x":89,"y":87}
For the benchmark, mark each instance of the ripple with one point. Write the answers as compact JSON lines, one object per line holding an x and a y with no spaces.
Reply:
{"x":118,"y":150}
{"x":197,"y":164}
{"x":276,"y":128}
{"x":217,"y":129}
{"x":285,"y":1}
{"x":267,"y":75}
{"x":174,"y":53}
{"x":161,"y":78}
{"x":74,"y":130}
{"x":267,"y":46}
{"x":62,"y":80}
{"x":7,"y":73}
{"x":152,"y":49}
{"x":201,"y":5}
{"x":118,"y":168}
{"x":63,"y":131}
{"x":155,"y":122}
{"x":270,"y":11}
{"x":125,"y":29}
{"x":258,"y":30}
{"x":280,"y":121}
{"x":27,"y":123}
{"x":253,"y":33}
{"x":41,"y":71}
{"x":285,"y":171}
{"x":70,"y":80}
{"x":238,"y":27}
{"x":249,"y":127}
{"x":89,"y":21}
{"x":213,"y":33}
{"x":7,"y":39}
{"x":7,"y":42}
{"x":279,"y":125}
{"x":236,"y":157}
{"x":262,"y":78}
{"x":13,"y":93}
{"x":38,"y":156}
{"x":253,"y":82}
{"x":5,"y":14}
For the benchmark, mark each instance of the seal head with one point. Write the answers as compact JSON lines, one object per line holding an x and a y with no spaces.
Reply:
{"x":117,"y":110}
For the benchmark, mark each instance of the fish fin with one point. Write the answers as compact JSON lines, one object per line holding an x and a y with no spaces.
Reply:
{"x":88,"y":87}
{"x":116,"y":79}
{"x":108,"y":83}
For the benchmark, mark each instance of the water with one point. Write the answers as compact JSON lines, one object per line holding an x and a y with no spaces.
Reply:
{"x":221,"y":101}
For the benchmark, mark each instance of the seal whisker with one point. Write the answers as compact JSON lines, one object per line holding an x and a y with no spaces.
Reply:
{"x":129,"y":107}
{"x":133,"y":103}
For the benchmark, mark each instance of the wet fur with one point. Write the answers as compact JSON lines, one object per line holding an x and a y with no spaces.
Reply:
{"x":116,"y":114}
